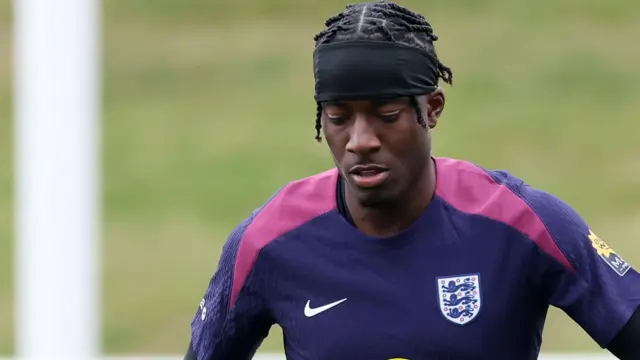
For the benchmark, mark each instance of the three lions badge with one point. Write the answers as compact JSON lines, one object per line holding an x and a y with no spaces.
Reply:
{"x":460,"y":297}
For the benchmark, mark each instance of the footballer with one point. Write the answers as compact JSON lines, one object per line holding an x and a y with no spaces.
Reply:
{"x":399,"y":254}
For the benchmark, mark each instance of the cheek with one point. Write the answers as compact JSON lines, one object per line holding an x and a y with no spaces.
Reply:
{"x":409,"y":148}
{"x":336,"y":143}
{"x":408,"y":137}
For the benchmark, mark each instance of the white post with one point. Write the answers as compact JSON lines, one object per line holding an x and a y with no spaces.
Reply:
{"x":57,"y":207}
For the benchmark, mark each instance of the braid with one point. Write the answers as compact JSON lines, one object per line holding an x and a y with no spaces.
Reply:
{"x":318,"y":122}
{"x":414,"y":103}
{"x":386,"y":21}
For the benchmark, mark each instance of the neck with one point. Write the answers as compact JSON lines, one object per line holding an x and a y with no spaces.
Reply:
{"x":400,"y":214}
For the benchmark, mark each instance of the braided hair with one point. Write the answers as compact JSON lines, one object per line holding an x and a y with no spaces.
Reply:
{"x":381,"y":21}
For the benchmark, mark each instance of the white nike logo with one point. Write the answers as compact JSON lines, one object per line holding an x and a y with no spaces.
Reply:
{"x":309,"y":312}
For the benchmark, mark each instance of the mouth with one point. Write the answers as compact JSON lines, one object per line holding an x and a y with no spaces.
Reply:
{"x":367,"y":176}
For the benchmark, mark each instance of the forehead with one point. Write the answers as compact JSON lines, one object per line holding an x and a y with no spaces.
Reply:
{"x":366,"y":104}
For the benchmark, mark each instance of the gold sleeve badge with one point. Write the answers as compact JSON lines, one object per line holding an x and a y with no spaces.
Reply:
{"x":609,"y":256}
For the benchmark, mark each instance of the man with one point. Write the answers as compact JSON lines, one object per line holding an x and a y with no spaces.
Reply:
{"x":398,"y":254}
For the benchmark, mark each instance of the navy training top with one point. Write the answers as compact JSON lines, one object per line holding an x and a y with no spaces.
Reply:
{"x":472,"y":278}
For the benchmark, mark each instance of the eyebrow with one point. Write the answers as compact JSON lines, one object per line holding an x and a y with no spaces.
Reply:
{"x":375,"y":102}
{"x":382,"y":102}
{"x":335,"y":103}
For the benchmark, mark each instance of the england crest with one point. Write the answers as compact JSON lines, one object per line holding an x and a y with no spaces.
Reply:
{"x":460,"y":297}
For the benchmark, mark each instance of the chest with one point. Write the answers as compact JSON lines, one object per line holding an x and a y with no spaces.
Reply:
{"x":412,"y":301}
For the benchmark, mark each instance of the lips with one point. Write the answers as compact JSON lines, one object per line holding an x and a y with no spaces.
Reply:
{"x":367,"y":176}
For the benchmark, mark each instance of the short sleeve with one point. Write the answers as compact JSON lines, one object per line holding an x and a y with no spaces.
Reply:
{"x":224,"y":330}
{"x":600,"y":290}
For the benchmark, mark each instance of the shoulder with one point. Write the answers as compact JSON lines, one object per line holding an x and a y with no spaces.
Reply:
{"x":295,"y":204}
{"x":292,"y":206}
{"x":499,"y":195}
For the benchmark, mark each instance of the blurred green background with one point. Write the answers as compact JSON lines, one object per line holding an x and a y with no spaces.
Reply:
{"x":208,"y":110}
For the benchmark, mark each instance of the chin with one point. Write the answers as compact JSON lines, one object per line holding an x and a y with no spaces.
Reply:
{"x":375,"y":199}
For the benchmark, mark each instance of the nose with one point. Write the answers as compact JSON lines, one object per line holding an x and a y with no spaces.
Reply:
{"x":362,"y":137}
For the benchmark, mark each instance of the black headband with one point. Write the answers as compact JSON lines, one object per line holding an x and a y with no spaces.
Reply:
{"x":361,"y":69}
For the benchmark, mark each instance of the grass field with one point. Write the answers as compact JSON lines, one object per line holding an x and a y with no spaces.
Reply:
{"x":208,"y":109}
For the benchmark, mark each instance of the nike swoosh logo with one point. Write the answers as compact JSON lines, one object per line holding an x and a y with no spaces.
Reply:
{"x":309,"y":312}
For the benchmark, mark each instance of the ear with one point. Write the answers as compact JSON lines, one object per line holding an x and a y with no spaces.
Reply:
{"x":435,"y":105}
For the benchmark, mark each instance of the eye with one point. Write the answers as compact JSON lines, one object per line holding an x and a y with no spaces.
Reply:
{"x":390,"y":117}
{"x":336,"y":119}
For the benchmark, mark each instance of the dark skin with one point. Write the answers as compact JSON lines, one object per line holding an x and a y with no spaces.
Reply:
{"x":386,"y":133}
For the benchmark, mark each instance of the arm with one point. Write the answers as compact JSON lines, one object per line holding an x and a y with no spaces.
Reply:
{"x":222,"y":329}
{"x":190,"y":354}
{"x":626,"y":345}
{"x":600,"y":291}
